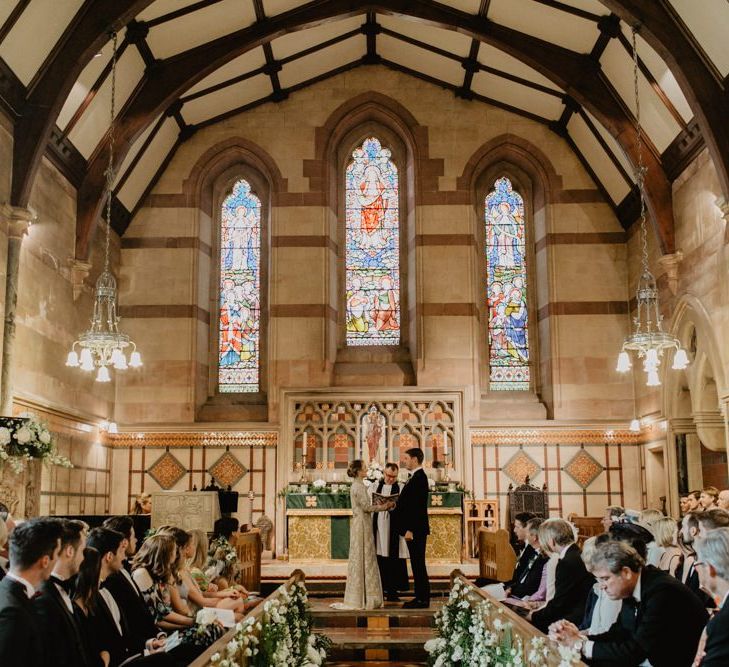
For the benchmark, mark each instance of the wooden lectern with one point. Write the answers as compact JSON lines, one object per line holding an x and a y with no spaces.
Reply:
{"x":188,"y":510}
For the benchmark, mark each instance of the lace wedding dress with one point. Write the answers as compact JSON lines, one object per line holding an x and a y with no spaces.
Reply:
{"x":363,"y":589}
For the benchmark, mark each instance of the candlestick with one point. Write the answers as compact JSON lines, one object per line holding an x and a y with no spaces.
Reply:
{"x":304,"y":445}
{"x":445,"y":443}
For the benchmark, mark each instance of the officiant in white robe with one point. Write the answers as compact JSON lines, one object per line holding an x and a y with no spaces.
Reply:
{"x":391,"y":548}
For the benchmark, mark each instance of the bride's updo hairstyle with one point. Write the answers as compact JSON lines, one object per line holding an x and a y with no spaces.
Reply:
{"x":354,"y":467}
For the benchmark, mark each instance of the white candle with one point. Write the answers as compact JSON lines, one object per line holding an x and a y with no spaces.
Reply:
{"x":445,"y":443}
{"x":303,"y":457}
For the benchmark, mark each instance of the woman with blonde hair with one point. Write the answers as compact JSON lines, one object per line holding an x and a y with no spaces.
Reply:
{"x":647,"y":518}
{"x":142,"y":504}
{"x":665,"y":531}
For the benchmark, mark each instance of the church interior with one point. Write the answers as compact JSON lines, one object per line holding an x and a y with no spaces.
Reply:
{"x":245,"y":242}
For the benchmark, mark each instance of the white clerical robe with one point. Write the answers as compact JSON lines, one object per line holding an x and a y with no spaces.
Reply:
{"x":383,"y":528}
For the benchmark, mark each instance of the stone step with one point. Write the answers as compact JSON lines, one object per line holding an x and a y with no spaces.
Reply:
{"x":398,"y":644}
{"x":391,"y":615}
{"x":376,"y":663}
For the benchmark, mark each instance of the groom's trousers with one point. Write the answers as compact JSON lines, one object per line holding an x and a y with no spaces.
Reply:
{"x":416,"y":547}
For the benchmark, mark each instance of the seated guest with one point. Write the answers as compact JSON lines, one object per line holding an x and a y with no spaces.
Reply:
{"x":683,"y":504}
{"x":660,"y":620}
{"x":140,"y":622}
{"x":152,"y":572}
{"x":34,"y":548}
{"x":689,"y":575}
{"x":612,"y":514}
{"x":600,"y":610}
{"x":528,"y":577}
{"x":103,"y":622}
{"x":142,"y":504}
{"x":708,"y":498}
{"x":711,"y":519}
{"x":693,"y":500}
{"x":525,"y":554}
{"x":222,"y":556}
{"x":665,"y":531}
{"x":713,"y":568}
{"x":646,"y":519}
{"x":723,"y":500}
{"x":537,"y":598}
{"x":54,"y":607}
{"x":572,"y":580}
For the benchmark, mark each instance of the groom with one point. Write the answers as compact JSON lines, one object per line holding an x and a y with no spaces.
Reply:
{"x":410,"y":517}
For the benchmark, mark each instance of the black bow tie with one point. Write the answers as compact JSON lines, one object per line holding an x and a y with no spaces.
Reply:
{"x":67,"y":585}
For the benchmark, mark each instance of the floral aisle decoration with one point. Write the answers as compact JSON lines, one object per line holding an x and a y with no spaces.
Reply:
{"x":205,"y":631}
{"x":280,"y":636}
{"x":475,"y":633}
{"x":25,"y":438}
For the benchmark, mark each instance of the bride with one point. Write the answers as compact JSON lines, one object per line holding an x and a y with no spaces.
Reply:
{"x":363,"y":589}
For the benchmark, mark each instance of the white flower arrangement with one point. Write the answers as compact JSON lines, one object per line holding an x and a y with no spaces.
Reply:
{"x":472,"y":631}
{"x":281,"y":636}
{"x":375,"y":472}
{"x":205,"y":616}
{"x":319,"y":483}
{"x":25,"y":438}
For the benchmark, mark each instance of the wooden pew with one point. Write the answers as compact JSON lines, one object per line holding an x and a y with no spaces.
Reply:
{"x":520,"y":627}
{"x":219,"y":646}
{"x":496,"y":556}
{"x":248,"y":546}
{"x":587,"y":526}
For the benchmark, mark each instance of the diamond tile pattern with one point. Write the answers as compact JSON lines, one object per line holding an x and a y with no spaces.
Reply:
{"x":520,"y":466}
{"x":583,"y":468}
{"x":167,"y":471}
{"x":227,"y":470}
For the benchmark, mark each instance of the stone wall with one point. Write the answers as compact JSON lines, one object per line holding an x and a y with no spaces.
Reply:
{"x":580,"y":273}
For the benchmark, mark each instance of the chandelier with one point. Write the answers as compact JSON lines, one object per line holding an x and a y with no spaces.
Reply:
{"x":648,"y":340}
{"x":103,"y":345}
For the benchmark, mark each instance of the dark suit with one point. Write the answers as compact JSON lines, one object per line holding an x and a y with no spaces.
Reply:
{"x":572,"y":585}
{"x":664,"y":627}
{"x":411,"y":514}
{"x":60,"y":628}
{"x":527,"y":574}
{"x":20,"y":634}
{"x":140,"y":624}
{"x":716,"y":651}
{"x":694,"y":585}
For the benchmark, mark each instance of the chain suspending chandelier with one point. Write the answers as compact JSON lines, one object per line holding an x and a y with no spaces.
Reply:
{"x":103,"y":345}
{"x":648,"y":339}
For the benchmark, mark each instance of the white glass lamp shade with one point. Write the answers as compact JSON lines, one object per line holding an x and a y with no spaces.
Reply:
{"x":680,"y":360}
{"x":635,"y":425}
{"x":653,"y":380}
{"x":135,"y":359}
{"x":623,"y":362}
{"x":72,"y":359}
{"x":103,"y":374}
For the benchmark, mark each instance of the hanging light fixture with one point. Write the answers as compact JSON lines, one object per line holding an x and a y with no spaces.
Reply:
{"x":103,"y":345}
{"x":648,"y":339}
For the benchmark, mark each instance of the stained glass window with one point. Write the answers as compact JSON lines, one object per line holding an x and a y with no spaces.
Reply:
{"x":240,"y":291}
{"x":506,"y":289}
{"x":372,"y":247}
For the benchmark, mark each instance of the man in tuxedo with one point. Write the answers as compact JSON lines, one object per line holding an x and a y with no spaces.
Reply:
{"x":528,"y":577}
{"x":713,"y":568}
{"x":525,"y":554}
{"x":54,"y":608}
{"x":572,"y":581}
{"x":391,"y":558}
{"x":712,"y":519}
{"x":689,"y":534}
{"x":140,"y":623}
{"x":410,"y":516}
{"x":34,"y":548}
{"x":660,"y":620}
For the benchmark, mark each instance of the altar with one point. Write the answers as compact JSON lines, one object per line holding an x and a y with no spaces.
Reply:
{"x":317,"y":526}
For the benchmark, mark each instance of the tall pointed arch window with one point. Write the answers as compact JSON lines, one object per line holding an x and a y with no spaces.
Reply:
{"x":240,"y":291}
{"x":506,"y":289}
{"x":372,"y":261}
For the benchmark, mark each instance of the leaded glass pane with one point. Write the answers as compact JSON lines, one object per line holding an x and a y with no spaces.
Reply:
{"x":506,"y":282}
{"x":372,"y":247}
{"x":240,"y":291}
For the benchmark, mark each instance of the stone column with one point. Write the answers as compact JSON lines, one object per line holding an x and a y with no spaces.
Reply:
{"x":18,"y":220}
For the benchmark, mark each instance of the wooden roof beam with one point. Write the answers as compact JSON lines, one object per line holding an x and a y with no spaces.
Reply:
{"x":575,"y":73}
{"x":85,"y":35}
{"x":701,"y":84}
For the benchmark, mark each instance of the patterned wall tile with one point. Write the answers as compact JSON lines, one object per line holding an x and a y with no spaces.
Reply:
{"x":167,"y":471}
{"x":583,"y":468}
{"x":520,"y":466}
{"x":227,"y":470}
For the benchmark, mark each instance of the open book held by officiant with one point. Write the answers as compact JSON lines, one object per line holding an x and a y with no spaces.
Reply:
{"x":380,"y":499}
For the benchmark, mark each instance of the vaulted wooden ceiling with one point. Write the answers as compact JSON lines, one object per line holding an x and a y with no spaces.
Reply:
{"x":186,"y":64}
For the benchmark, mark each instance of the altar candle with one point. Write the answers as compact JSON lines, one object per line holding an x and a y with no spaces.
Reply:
{"x":445,"y":444}
{"x":303,"y":456}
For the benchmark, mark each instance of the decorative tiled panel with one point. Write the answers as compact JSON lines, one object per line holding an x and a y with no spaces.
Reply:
{"x":520,"y":466}
{"x":583,"y":468}
{"x":167,"y":471}
{"x":192,"y":439}
{"x":227,"y":470}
